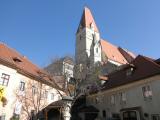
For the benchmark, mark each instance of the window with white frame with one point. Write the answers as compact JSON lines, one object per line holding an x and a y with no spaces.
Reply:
{"x":34,"y":89}
{"x":42,"y":94}
{"x":147,"y":92}
{"x":123,"y":98}
{"x":112,"y":99}
{"x":46,"y":94}
{"x":22,"y":86}
{"x":4,"y":79}
{"x":96,"y":50}
{"x":52,"y":96}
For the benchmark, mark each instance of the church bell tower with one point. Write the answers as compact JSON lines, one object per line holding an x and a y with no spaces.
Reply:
{"x":88,"y":47}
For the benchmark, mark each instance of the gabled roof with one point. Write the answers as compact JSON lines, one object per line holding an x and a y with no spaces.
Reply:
{"x":11,"y":58}
{"x":9,"y":55}
{"x":87,"y":19}
{"x":115,"y":53}
{"x":129,"y":56}
{"x":142,"y":67}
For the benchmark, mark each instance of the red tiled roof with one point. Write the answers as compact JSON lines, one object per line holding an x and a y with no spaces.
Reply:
{"x":14,"y":60}
{"x":143,"y":68}
{"x":121,"y":56}
{"x":129,"y":56}
{"x":9,"y":54}
{"x":87,"y":19}
{"x":112,"y":52}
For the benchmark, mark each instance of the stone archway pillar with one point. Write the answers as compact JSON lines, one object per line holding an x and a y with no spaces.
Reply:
{"x":66,"y":111}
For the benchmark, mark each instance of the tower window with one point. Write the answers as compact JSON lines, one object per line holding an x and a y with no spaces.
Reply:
{"x":92,"y":26}
{"x":97,"y":50}
{"x":80,"y":37}
{"x":93,"y":37}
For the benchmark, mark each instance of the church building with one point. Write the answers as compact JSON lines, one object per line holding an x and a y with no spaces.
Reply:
{"x":92,"y":50}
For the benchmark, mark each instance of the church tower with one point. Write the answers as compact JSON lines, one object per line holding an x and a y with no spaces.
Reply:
{"x":91,"y":49}
{"x":88,"y":47}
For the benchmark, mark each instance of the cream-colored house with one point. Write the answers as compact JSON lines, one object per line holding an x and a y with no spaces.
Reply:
{"x":131,"y":93}
{"x":27,"y":88}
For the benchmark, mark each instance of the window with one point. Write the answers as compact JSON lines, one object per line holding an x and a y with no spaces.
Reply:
{"x":123,"y":97}
{"x":116,"y":116}
{"x":104,"y":113}
{"x":129,"y":71}
{"x":2,"y":117}
{"x":93,"y":37}
{"x":129,"y":115}
{"x":80,"y":37}
{"x":97,"y":100}
{"x":97,"y":50}
{"x":52,"y":96}
{"x":147,"y":92}
{"x":46,"y":94}
{"x":113,"y":99}
{"x":4,"y":79}
{"x":92,"y":26}
{"x":17,"y":59}
{"x":22,"y":86}
{"x":42,"y":94}
{"x":155,"y":117}
{"x":34,"y":90}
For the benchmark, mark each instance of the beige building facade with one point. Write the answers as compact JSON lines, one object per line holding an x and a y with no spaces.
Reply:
{"x":135,"y":96}
{"x":27,"y":88}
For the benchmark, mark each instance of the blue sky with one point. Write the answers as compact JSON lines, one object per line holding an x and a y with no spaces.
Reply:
{"x":44,"y":29}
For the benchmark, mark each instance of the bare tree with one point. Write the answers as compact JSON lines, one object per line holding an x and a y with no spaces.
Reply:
{"x":31,"y":99}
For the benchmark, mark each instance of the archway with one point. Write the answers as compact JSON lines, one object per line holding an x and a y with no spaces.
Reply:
{"x":54,"y":114}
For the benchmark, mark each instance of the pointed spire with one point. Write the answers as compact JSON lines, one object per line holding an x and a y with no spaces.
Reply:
{"x":87,"y":20}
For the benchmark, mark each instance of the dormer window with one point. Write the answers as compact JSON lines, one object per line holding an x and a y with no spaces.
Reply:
{"x":17,"y":59}
{"x":129,"y":71}
{"x":113,"y":56}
